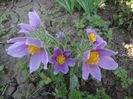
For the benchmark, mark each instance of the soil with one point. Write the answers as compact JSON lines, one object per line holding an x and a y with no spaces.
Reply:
{"x":15,"y":84}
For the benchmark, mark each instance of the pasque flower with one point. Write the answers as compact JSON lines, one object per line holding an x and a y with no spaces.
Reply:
{"x":94,"y":38}
{"x":60,"y":35}
{"x":61,"y":61}
{"x":29,"y":46}
{"x":95,"y":59}
{"x":34,"y":23}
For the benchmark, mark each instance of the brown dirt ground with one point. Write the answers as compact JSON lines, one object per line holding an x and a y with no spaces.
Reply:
{"x":122,"y":42}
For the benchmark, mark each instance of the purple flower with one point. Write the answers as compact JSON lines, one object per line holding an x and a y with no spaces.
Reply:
{"x":60,"y":35}
{"x":94,"y":38}
{"x":26,"y":45}
{"x":61,"y":61}
{"x":34,"y":23}
{"x":95,"y":58}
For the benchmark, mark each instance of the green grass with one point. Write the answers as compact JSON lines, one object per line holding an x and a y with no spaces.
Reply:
{"x":88,"y":6}
{"x":67,"y":4}
{"x":4,"y":17}
{"x":122,"y":75}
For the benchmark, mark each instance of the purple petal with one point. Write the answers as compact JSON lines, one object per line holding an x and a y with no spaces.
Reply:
{"x":23,"y":31}
{"x":33,"y":41}
{"x":100,"y":43}
{"x":86,"y":55}
{"x":60,"y":36}
{"x":17,"y":39}
{"x":85,"y":72}
{"x":17,"y":50}
{"x":56,"y":69}
{"x":25,"y":28}
{"x":67,"y":53}
{"x":107,"y":63}
{"x":95,"y":72}
{"x":35,"y":62}
{"x":90,"y":30}
{"x":44,"y":58}
{"x":15,"y":46}
{"x":64,"y":68}
{"x":57,"y":51}
{"x":34,"y":19}
{"x":106,"y":52}
{"x":70,"y":62}
{"x":61,"y":68}
{"x":52,"y":59}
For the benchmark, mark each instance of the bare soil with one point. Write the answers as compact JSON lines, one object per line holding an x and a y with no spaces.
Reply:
{"x":16,"y":84}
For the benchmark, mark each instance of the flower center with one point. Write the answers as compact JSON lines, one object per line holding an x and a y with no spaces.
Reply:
{"x":93,"y":59}
{"x":60,"y":59}
{"x":92,"y":37}
{"x":33,"y":49}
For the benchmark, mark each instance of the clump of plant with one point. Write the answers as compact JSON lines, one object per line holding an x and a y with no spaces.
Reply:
{"x":100,"y":94}
{"x":4,"y":17}
{"x":89,"y":6}
{"x":123,"y":14}
{"x":58,"y":59}
{"x":67,"y":4}
{"x":100,"y":25}
{"x":122,"y":74}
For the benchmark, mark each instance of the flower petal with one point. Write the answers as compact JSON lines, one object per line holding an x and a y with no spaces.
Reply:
{"x":70,"y":62}
{"x":17,"y":39}
{"x":17,"y":50}
{"x":67,"y":53}
{"x":23,"y":31}
{"x":100,"y":43}
{"x":61,"y":68}
{"x":15,"y":46}
{"x":106,"y":52}
{"x":86,"y":55}
{"x":64,"y":68}
{"x":52,"y":59}
{"x":57,"y":51}
{"x":90,"y":30}
{"x":25,"y":28}
{"x":85,"y":72}
{"x":35,"y":62}
{"x":56,"y":69}
{"x":34,"y":19}
{"x":95,"y":72}
{"x":107,"y":63}
{"x":60,"y":36}
{"x":33,"y":41}
{"x":44,"y":58}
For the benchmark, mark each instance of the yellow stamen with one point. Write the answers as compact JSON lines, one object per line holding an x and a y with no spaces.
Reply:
{"x":92,"y":37}
{"x":60,"y":59}
{"x":93,"y":59}
{"x":33,"y":49}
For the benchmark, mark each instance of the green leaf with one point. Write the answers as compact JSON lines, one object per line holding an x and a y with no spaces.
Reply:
{"x":45,"y":79}
{"x":4,"y":17}
{"x":74,"y":83}
{"x":61,"y":90}
{"x":1,"y":68}
{"x":67,"y":4}
{"x":101,"y":94}
{"x":122,"y":74}
{"x":75,"y":94}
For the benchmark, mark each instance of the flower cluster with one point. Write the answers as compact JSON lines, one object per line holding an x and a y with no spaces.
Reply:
{"x":93,"y":60}
{"x":97,"y":57}
{"x":29,"y":46}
